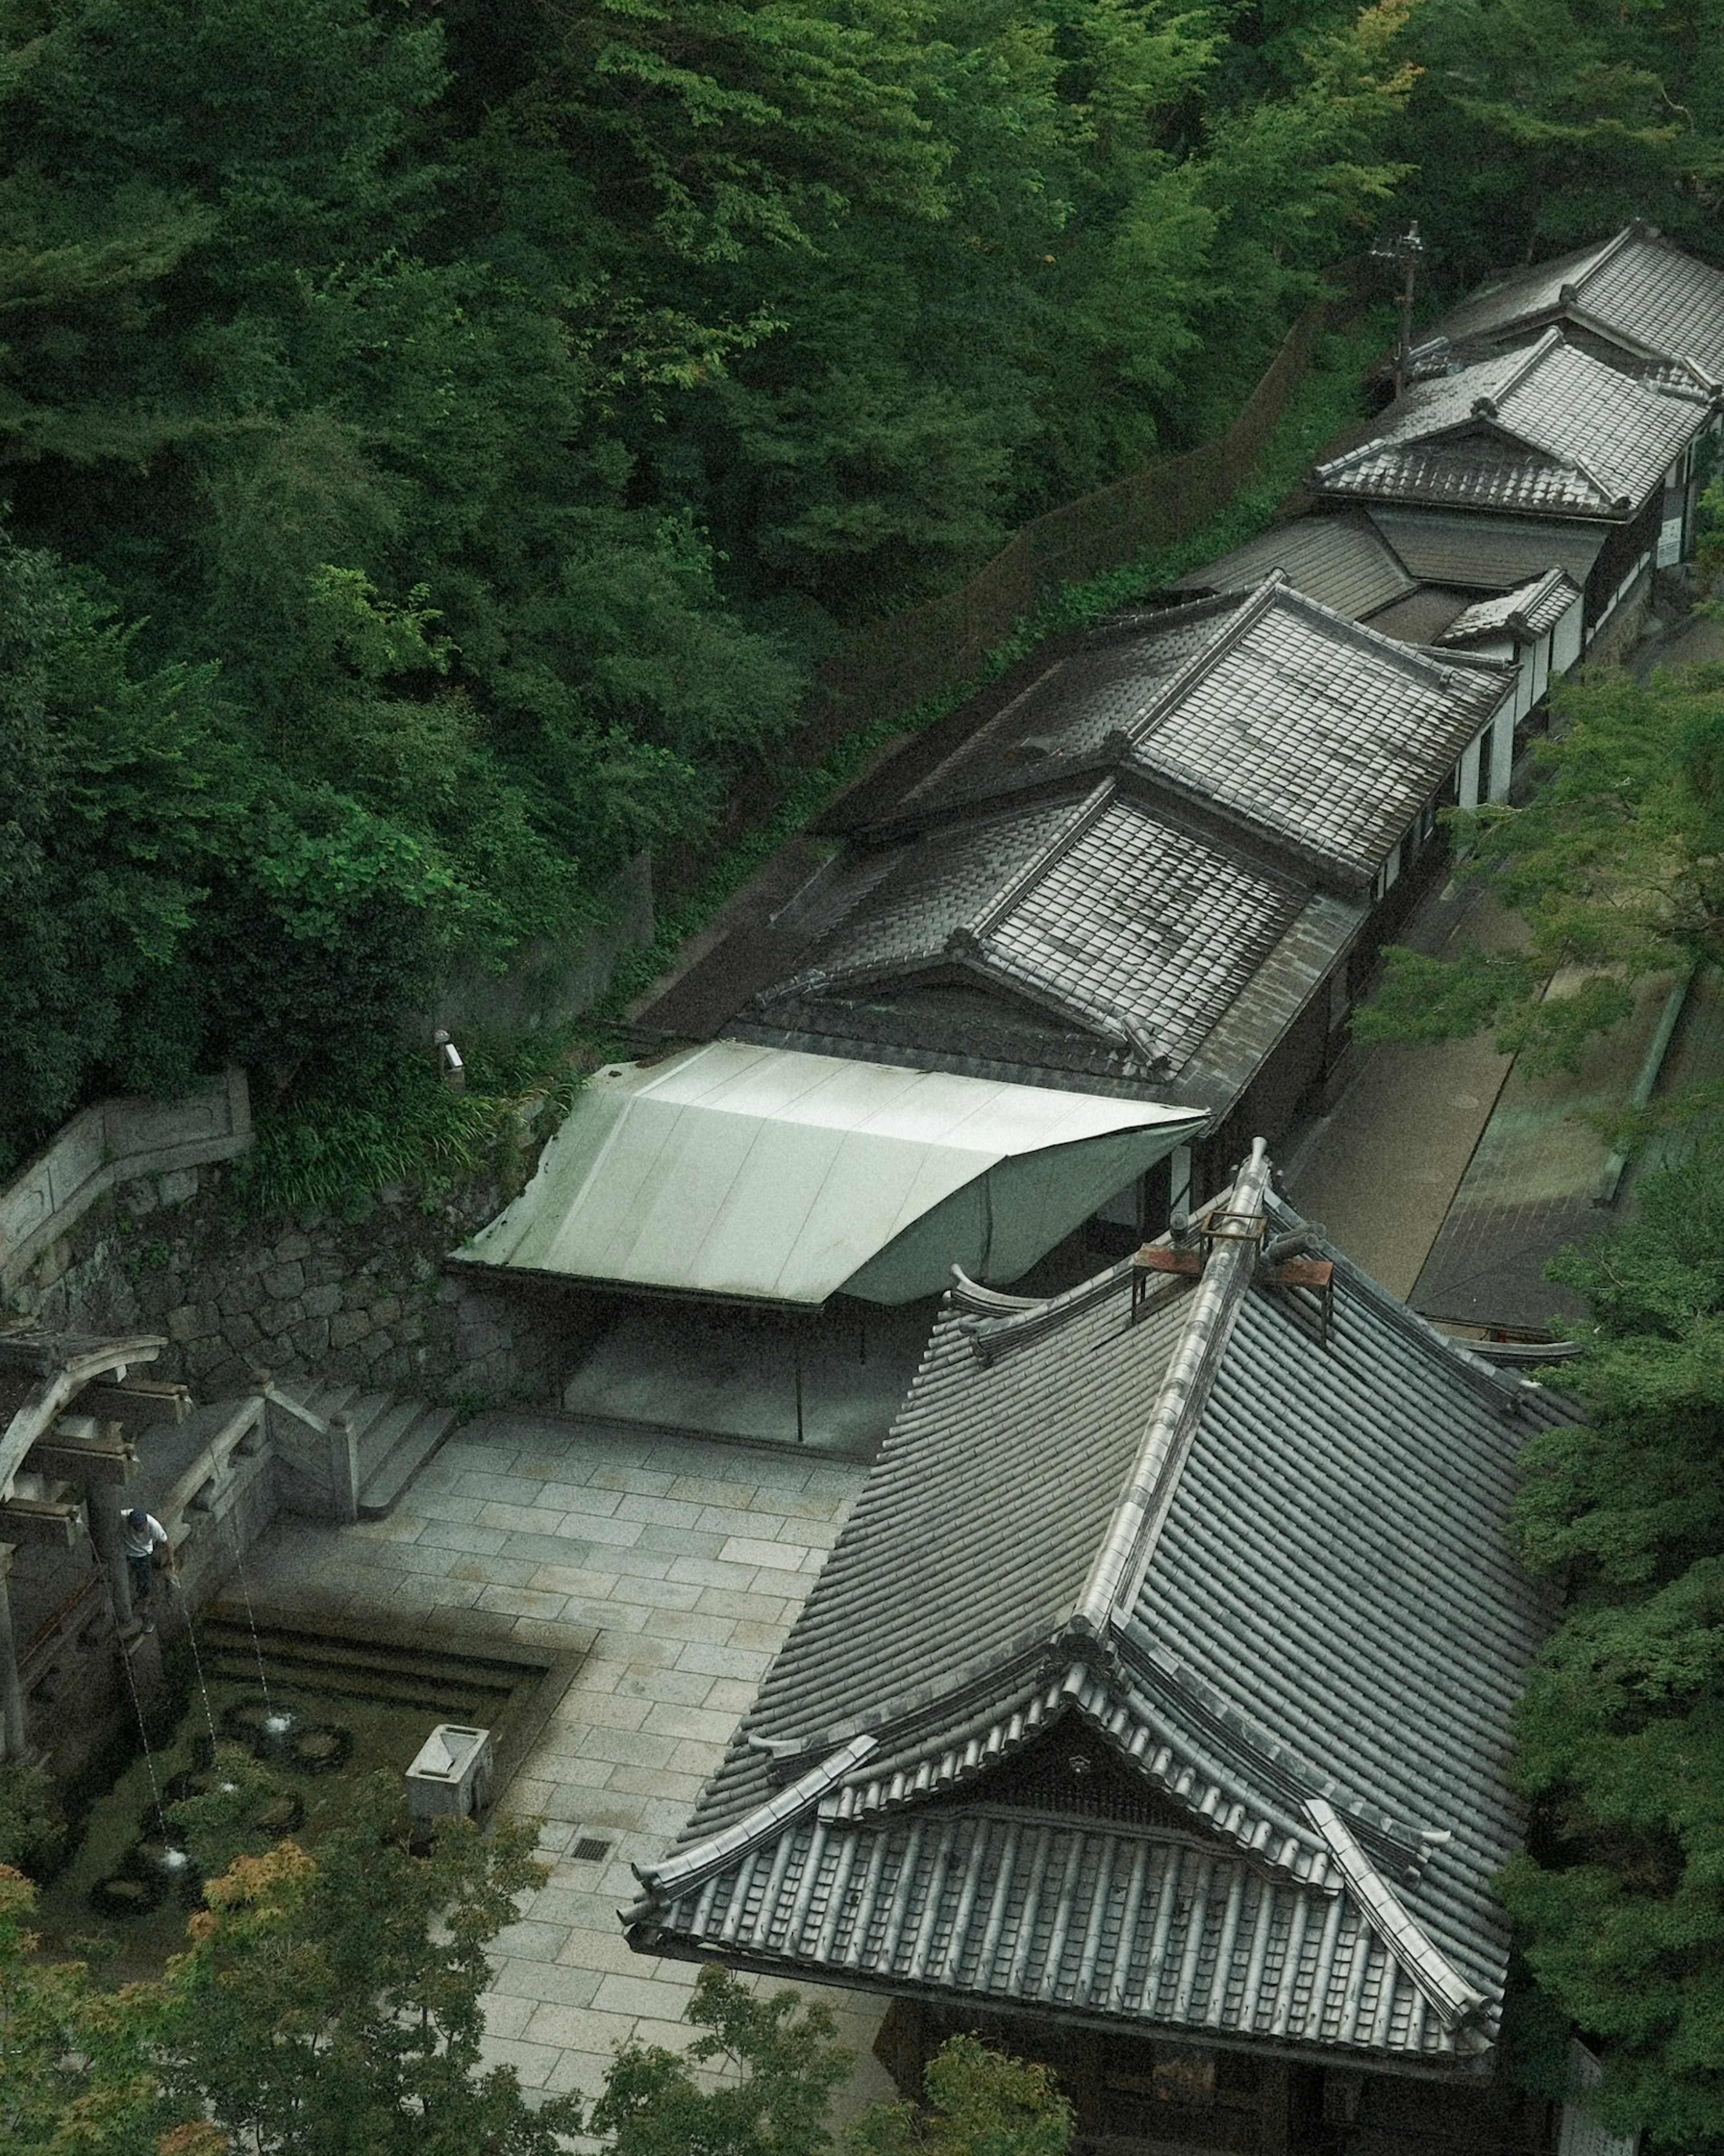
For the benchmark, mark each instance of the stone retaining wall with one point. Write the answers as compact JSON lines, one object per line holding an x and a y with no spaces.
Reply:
{"x":112,"y":1142}
{"x":360,"y":1301}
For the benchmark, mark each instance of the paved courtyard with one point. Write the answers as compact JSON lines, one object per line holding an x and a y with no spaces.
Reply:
{"x":675,"y":1565}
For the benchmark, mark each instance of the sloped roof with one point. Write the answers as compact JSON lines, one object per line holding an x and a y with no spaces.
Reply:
{"x":1524,"y":613}
{"x":1636,"y":288}
{"x":1342,"y":562}
{"x":1300,"y":726}
{"x":1116,"y":919}
{"x":1140,"y":868}
{"x":757,"y":1173}
{"x":1543,"y":429}
{"x":1486,"y":553}
{"x":1160,"y":1676}
{"x":1314,"y":727}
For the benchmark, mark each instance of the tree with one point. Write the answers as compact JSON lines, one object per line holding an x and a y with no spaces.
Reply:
{"x":978,"y":2104}
{"x":1539,"y":125}
{"x":326,"y":2007}
{"x":451,"y":433}
{"x":1619,"y":1897}
{"x":783,"y":2068}
{"x":1615,"y":867}
{"x":332,"y":2006}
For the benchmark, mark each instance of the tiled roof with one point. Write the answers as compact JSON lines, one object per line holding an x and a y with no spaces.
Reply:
{"x":981,"y":1034}
{"x":1161,"y":1675}
{"x":1636,"y":286}
{"x":1486,"y":553}
{"x":1342,"y":562}
{"x":1067,"y":713}
{"x":1304,"y":728}
{"x":1544,"y":428}
{"x":1100,"y":909}
{"x":1525,"y":613}
{"x":1314,"y":727}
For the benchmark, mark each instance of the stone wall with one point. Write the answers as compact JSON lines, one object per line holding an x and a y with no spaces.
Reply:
{"x":111,"y":1143}
{"x":359,"y":1301}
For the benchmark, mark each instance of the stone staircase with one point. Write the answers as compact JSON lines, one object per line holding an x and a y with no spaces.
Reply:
{"x":391,"y":1438}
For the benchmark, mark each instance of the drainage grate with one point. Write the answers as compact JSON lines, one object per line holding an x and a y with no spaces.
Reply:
{"x":589,"y":1851}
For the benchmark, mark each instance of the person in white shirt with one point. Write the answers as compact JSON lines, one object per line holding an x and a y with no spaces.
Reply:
{"x":142,"y":1534}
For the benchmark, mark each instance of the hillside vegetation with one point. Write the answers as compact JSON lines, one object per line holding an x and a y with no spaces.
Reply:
{"x":436,"y":441}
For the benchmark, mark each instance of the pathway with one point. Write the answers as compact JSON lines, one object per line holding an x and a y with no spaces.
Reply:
{"x":1378,"y":1173}
{"x":675,"y":1565}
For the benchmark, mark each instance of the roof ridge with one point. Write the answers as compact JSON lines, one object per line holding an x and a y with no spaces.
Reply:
{"x":1248,"y":611}
{"x":1632,"y":232}
{"x":1391,"y":648}
{"x":1024,"y":878}
{"x":1155,"y":1473}
{"x":1491,"y":1384}
{"x":1452,"y":1999}
{"x":1529,"y":360}
{"x":758,"y":1825}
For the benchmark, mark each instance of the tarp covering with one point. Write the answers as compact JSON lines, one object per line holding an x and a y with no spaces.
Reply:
{"x":772,"y":1176}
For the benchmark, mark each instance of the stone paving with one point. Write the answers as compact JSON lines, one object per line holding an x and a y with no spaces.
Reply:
{"x":675,"y":1565}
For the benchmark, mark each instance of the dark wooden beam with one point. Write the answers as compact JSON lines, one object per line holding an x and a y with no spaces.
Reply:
{"x":137,"y":1401}
{"x":35,"y":1520}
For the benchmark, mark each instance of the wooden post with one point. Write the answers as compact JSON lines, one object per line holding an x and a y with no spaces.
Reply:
{"x":11,"y":1697}
{"x":102,"y":1509}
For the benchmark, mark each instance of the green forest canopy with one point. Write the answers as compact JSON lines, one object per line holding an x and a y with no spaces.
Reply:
{"x":436,"y":440}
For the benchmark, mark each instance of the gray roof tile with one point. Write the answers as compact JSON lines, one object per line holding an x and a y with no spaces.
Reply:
{"x":1525,"y":613}
{"x":1636,"y":286}
{"x":1254,"y":1577}
{"x":1316,"y":728}
{"x":1102,"y":909}
{"x":1485,"y":552}
{"x":1343,"y":562}
{"x":1542,"y":428}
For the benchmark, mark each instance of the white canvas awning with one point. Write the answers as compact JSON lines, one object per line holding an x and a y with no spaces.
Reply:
{"x":770,"y":1176}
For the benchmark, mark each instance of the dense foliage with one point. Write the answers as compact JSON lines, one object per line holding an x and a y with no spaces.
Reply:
{"x":1620,"y":1900}
{"x":332,"y":2006}
{"x":319,"y":2008}
{"x":1615,"y":865}
{"x":435,"y":439}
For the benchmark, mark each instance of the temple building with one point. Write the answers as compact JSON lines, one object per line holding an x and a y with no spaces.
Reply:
{"x":1635,"y":301}
{"x":1151,"y":1715}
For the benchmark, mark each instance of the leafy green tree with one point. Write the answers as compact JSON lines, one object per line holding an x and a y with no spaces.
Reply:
{"x":1614,"y":866}
{"x":454,"y":431}
{"x":332,"y":2006}
{"x":1538,"y":125}
{"x":1620,"y":1899}
{"x":978,"y":2104}
{"x":758,"y":2080}
{"x":321,"y":2007}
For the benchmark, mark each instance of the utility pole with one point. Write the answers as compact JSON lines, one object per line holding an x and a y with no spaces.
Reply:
{"x":1407,"y":250}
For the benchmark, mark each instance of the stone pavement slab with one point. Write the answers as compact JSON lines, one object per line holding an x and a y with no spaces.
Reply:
{"x":590,"y":1537}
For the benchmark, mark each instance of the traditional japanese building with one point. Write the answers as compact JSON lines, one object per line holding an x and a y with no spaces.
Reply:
{"x":1161,"y":869}
{"x":1635,"y":301}
{"x":1151,"y":1714}
{"x":1532,"y":618}
{"x":1543,"y":431}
